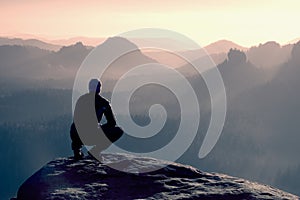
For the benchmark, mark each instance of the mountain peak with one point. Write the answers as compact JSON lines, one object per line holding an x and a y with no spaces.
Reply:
{"x":78,"y":46}
{"x":223,"y":46}
{"x":270,"y":44}
{"x":236,"y":56}
{"x":120,"y":42}
{"x":65,"y":178}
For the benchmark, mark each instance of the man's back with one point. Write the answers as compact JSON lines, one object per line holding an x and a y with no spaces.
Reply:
{"x":90,"y":104}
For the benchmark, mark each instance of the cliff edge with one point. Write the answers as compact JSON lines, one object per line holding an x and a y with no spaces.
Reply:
{"x":65,"y":178}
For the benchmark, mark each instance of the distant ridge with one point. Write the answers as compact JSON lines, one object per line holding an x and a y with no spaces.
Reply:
{"x":29,"y":42}
{"x":280,"y":54}
{"x":52,"y":45}
{"x":87,"y":41}
{"x":218,"y":47}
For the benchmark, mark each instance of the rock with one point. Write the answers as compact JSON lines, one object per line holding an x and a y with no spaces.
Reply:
{"x":65,"y":178}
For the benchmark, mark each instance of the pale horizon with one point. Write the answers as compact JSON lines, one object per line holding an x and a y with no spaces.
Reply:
{"x":94,"y":41}
{"x":205,"y":22}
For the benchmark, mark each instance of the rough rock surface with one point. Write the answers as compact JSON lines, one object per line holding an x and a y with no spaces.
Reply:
{"x":65,"y":178}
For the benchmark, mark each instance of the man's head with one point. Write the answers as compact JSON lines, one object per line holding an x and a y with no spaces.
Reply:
{"x":94,"y":86}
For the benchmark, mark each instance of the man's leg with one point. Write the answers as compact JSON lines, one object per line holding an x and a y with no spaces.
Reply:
{"x":76,"y":143}
{"x":113,"y":133}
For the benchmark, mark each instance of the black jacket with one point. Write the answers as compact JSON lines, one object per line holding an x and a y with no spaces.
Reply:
{"x":85,"y":110}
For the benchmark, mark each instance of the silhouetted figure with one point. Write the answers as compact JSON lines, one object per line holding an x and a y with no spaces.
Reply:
{"x":88,"y":113}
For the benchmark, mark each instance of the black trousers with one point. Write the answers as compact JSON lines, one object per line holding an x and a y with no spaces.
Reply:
{"x":112,"y":133}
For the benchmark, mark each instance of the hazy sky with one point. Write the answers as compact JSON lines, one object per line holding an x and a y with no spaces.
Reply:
{"x":244,"y":22}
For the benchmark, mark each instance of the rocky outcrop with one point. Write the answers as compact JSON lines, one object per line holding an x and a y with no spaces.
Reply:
{"x":65,"y":178}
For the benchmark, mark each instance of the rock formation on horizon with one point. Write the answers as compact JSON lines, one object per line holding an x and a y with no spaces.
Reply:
{"x":65,"y":178}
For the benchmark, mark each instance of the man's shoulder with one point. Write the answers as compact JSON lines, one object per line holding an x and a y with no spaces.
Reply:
{"x":102,"y":99}
{"x":88,"y":97}
{"x":83,"y":97}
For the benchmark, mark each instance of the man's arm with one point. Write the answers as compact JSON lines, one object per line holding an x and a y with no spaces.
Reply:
{"x":111,"y":122}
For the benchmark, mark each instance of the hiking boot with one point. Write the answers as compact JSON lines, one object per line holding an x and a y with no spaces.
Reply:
{"x":78,"y":155}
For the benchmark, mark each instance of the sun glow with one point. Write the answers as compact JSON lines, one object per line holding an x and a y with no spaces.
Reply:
{"x":204,"y":21}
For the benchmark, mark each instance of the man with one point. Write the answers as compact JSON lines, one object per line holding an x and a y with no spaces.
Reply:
{"x":85,"y":128}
